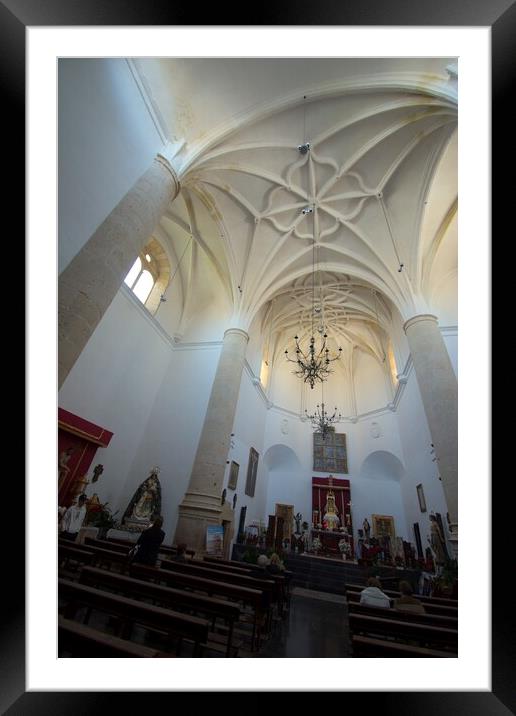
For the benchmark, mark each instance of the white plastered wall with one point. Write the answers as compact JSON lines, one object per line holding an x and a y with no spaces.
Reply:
{"x":107,"y":140}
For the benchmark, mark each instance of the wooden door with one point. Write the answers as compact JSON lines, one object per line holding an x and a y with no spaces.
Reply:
{"x":286,"y":512}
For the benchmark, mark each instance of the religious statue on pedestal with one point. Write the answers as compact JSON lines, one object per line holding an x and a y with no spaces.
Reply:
{"x":331,"y":518}
{"x":145,"y":503}
{"x":297,"y":519}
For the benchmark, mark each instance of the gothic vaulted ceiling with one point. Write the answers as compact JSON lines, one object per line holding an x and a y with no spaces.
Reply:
{"x":312,"y":182}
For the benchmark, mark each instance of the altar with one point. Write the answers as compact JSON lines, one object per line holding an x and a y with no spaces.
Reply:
{"x":331,"y":515}
{"x":330,"y":541}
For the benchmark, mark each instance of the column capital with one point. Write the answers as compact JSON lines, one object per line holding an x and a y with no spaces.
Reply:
{"x":417,"y":319}
{"x":237,"y":331}
{"x":162,"y":159}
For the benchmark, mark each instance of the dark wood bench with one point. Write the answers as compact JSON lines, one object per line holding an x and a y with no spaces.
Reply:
{"x":222,"y":567}
{"x":367,"y":647}
{"x":132,"y":612}
{"x":211,"y":607}
{"x":168,"y":550}
{"x":269,"y":586}
{"x":430,"y":619}
{"x":102,"y":555}
{"x":256,"y":599}
{"x":84,"y":641}
{"x":399,"y":629}
{"x":281,"y":594}
{"x":422,"y":597}
{"x":68,"y":554}
{"x":105,"y":544}
{"x":438,"y":609}
{"x":171,"y":550}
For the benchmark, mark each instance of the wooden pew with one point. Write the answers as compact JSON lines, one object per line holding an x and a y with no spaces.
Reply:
{"x":255,"y":598}
{"x":402,"y":629}
{"x":437,"y":609}
{"x":171,"y":550}
{"x":167,"y":550}
{"x":367,"y":647}
{"x":104,"y":544}
{"x":83,"y":641}
{"x":281,"y":591}
{"x":67,"y":552}
{"x":166,"y":596}
{"x":268,"y":585}
{"x":430,"y":619}
{"x":395,"y":594}
{"x":101,"y":556}
{"x":215,"y":564}
{"x":133,"y":612}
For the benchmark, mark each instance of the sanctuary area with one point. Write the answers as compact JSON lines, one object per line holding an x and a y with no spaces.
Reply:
{"x":257,"y":422}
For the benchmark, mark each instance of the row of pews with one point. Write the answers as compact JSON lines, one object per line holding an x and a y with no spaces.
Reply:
{"x":380,"y":632}
{"x":193,"y":607}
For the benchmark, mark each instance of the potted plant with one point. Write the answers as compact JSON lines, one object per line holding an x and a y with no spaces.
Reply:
{"x":445,"y":584}
{"x":105,"y":520}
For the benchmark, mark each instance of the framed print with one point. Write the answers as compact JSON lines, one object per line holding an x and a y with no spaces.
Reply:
{"x":252,"y":469}
{"x":27,"y":681}
{"x":330,"y":452}
{"x":383,"y":526}
{"x":233,"y":475}
{"x":421,"y":498}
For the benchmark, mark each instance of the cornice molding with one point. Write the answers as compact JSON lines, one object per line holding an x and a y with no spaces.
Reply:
{"x":150,"y":103}
{"x":391,"y":407}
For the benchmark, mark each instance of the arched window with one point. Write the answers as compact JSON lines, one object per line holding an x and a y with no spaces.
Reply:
{"x":149,"y":275}
{"x":392,"y":364}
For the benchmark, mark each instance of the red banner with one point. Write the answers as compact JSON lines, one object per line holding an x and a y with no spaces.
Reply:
{"x":78,"y":441}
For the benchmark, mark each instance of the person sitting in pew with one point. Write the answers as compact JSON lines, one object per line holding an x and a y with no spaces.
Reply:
{"x":275,"y":565}
{"x":408,"y":603}
{"x":372,"y":595}
{"x":149,"y":543}
{"x":180,"y":555}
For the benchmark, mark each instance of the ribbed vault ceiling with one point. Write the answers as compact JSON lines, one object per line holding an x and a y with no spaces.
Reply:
{"x":371,"y":206}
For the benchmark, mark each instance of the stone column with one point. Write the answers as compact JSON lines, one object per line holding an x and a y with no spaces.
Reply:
{"x":438,"y":386}
{"x":90,"y":282}
{"x":201,"y":503}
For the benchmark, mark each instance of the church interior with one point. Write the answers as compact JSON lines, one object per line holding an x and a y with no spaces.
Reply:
{"x":257,"y":357}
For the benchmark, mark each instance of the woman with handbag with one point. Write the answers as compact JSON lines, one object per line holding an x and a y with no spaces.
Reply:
{"x":149,"y":542}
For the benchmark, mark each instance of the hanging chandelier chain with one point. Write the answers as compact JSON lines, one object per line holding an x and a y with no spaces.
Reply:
{"x":313,"y":365}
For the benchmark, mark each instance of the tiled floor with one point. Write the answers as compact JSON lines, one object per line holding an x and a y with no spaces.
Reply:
{"x":316,"y":627}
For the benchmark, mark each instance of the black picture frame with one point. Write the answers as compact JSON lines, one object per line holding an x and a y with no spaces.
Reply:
{"x":233,"y":475}
{"x":501,"y":18}
{"x":421,"y":497}
{"x":252,"y":470}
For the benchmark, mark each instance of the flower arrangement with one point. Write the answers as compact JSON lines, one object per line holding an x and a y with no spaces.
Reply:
{"x":345,"y":548}
{"x":316,"y":544}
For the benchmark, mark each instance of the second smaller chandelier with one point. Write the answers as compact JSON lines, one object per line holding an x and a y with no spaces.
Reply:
{"x":322,"y":422}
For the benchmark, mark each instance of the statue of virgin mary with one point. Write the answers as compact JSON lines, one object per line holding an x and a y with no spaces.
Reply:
{"x":145,"y":503}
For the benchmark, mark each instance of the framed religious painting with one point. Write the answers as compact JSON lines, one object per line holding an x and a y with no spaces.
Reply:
{"x":233,"y":475}
{"x":330,"y":452}
{"x":252,"y":469}
{"x":383,"y":526}
{"x":421,"y":498}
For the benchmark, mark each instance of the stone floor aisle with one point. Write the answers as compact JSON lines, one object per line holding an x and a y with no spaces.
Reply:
{"x":316,"y":627}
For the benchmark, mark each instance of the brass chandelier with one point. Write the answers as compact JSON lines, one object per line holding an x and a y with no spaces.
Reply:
{"x":314,"y":364}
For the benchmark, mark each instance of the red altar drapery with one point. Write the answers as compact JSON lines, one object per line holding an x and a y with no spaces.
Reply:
{"x":82,"y":439}
{"x":341,"y":489}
